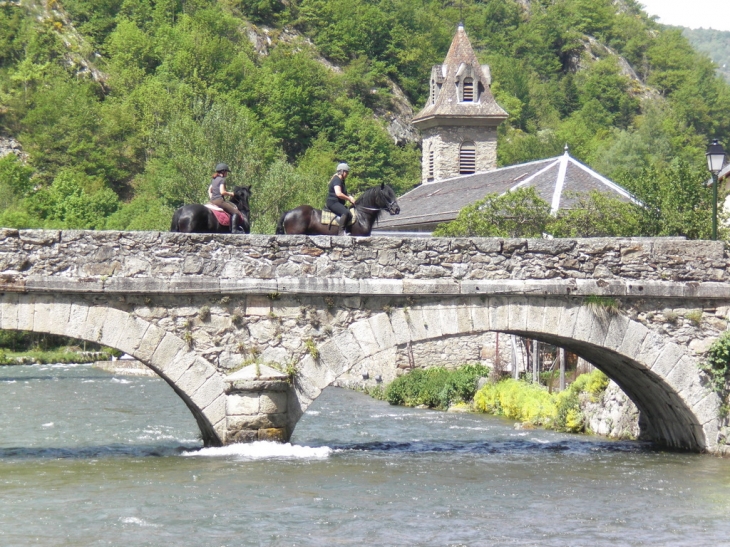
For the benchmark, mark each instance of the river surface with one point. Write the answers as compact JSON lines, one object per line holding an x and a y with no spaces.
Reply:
{"x":88,"y":458}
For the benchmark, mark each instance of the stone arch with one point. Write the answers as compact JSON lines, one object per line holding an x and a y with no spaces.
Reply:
{"x":658,"y":375}
{"x":195,"y":380}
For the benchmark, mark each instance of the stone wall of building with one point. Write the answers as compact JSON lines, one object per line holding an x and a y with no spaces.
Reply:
{"x":445,"y":142}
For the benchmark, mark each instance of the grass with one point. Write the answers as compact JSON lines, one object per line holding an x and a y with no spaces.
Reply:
{"x":602,"y":306}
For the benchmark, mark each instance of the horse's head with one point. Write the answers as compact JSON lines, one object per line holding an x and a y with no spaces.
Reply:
{"x":241,"y":195}
{"x":389,"y":201}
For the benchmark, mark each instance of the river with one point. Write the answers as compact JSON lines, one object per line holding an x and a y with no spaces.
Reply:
{"x":87,"y":458}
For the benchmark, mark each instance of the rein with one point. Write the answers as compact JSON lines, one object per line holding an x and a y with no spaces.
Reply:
{"x":384,"y":208}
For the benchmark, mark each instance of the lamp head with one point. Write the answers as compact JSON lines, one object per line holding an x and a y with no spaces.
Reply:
{"x":715,"y":157}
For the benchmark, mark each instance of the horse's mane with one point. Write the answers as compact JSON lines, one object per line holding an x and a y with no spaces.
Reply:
{"x":369,"y":197}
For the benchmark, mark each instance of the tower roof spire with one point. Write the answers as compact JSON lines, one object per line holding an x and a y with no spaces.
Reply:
{"x":449,"y":102}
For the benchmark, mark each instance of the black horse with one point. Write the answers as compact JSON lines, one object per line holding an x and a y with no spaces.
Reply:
{"x":307,"y":220}
{"x":199,"y":219}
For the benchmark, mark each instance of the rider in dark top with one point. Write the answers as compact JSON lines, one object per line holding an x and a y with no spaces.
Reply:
{"x":217,"y":191}
{"x":337,"y":196}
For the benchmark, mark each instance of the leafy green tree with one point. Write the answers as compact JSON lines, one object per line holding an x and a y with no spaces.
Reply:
{"x":597,"y":215}
{"x":74,"y":200}
{"x":15,"y":181}
{"x":677,"y":201}
{"x":520,"y":213}
{"x":188,"y":148}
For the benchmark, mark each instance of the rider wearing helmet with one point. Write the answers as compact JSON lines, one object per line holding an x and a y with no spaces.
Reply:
{"x":337,"y":196}
{"x":217,"y":191}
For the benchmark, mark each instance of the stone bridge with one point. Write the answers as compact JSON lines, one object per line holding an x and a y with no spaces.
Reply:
{"x":248,"y":330}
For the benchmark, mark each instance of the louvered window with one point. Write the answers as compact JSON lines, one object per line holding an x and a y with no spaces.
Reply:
{"x":467,"y":158}
{"x":433,"y":92}
{"x":430,"y":165}
{"x":468,"y":90}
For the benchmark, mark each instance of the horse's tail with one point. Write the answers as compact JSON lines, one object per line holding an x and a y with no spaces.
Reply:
{"x":175,"y":218}
{"x":280,"y":226}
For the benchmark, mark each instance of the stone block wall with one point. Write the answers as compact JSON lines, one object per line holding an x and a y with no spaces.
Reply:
{"x":444,"y":142}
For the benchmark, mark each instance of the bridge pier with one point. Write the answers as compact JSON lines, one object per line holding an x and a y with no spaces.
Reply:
{"x":257,"y":404}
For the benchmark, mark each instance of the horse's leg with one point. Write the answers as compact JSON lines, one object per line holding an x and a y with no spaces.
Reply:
{"x":185,"y":222}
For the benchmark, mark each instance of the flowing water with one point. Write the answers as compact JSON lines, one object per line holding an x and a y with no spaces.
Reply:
{"x":87,"y":458}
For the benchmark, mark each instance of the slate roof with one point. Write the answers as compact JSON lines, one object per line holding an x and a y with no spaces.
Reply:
{"x":447,"y":103}
{"x":554,"y":179}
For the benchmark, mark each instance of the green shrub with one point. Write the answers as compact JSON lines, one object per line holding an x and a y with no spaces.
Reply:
{"x":533,"y":404}
{"x":717,"y":364}
{"x":517,"y":400}
{"x":593,"y":383}
{"x":435,"y":387}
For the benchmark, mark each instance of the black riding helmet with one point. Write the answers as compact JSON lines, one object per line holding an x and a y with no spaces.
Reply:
{"x":222,"y":167}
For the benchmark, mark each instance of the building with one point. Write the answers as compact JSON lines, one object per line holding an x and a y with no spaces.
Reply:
{"x":459,"y":122}
{"x":459,"y":160}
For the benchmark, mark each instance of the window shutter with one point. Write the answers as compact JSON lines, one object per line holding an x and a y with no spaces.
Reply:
{"x":468,"y":90}
{"x":467,"y":158}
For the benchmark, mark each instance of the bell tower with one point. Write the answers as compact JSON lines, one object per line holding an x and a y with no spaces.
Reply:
{"x":459,"y":122}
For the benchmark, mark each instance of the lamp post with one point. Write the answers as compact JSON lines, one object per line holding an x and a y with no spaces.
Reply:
{"x":715,"y":160}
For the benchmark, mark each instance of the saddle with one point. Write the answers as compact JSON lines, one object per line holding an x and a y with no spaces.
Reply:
{"x":330,"y":219}
{"x":224,"y":219}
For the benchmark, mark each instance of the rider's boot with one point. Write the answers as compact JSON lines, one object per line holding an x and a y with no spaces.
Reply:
{"x":234,"y":219}
{"x":343,"y":221}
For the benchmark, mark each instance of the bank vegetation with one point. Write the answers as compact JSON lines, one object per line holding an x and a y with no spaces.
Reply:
{"x":531,"y":405}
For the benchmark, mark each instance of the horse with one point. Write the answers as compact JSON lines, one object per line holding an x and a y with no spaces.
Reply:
{"x":308,"y":220}
{"x":199,"y":219}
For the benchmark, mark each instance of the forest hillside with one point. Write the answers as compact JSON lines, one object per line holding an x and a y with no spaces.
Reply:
{"x":122,"y":107}
{"x":715,"y":44}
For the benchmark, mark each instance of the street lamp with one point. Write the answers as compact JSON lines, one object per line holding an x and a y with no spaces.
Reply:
{"x":715,"y":160}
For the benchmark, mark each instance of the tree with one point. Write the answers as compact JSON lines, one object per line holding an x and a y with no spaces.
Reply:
{"x":519,"y":213}
{"x":597,"y":215}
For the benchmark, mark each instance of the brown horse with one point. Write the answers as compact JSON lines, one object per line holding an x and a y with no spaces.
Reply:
{"x":308,"y":220}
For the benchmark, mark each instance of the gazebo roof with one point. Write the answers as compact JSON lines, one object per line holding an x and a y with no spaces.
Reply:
{"x":557,"y":181}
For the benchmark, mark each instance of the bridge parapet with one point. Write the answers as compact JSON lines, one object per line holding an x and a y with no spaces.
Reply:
{"x":139,"y":262}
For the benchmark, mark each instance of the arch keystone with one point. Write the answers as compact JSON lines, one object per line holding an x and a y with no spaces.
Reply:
{"x":479,"y":314}
{"x":518,"y":310}
{"x":535,"y":316}
{"x":26,"y":310}
{"x":112,"y":328}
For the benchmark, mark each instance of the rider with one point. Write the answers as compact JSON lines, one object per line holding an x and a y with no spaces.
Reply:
{"x":217,"y":190}
{"x":337,"y":196}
